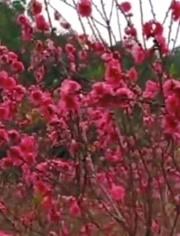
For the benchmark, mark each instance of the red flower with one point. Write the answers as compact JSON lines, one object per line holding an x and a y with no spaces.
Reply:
{"x":4,"y":112}
{"x":171,"y":126}
{"x":27,"y":33}
{"x":15,"y":153}
{"x":151,"y":89}
{"x":47,"y":203}
{"x":36,"y":7}
{"x":133,"y":74}
{"x":54,"y":215}
{"x":57,"y":15}
{"x":14,"y":136}
{"x":12,"y":56}
{"x":113,"y":72}
{"x":138,"y":54}
{"x":22,"y":20}
{"x":117,"y":192}
{"x":19,"y":92}
{"x":3,"y":78}
{"x":9,"y":83}
{"x":41,"y":187}
{"x":130,"y":30}
{"x":152,"y":29}
{"x":3,"y":137}
{"x":28,"y":144}
{"x":156,"y":227}
{"x":84,"y":8}
{"x":6,"y":82}
{"x":18,"y":66}
{"x":69,"y":87}
{"x":36,"y":97}
{"x":65,"y":25}
{"x":125,"y":6}
{"x":75,"y":209}
{"x":41,"y":24}
{"x":175,"y":7}
{"x":70,"y":49}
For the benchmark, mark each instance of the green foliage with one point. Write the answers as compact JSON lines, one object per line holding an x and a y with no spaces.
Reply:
{"x":173,"y":63}
{"x":173,"y":70}
{"x":9,"y":30}
{"x":94,"y":72}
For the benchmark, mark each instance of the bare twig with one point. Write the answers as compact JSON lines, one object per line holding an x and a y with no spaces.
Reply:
{"x":152,"y":10}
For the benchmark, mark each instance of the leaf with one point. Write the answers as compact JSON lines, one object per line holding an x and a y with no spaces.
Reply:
{"x":94,"y":73}
{"x":173,"y":70}
{"x":18,"y":5}
{"x":100,"y":71}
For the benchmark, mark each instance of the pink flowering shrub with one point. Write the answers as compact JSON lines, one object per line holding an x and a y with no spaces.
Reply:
{"x":122,"y":177}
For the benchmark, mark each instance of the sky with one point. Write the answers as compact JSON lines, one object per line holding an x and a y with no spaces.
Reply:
{"x":160,"y":8}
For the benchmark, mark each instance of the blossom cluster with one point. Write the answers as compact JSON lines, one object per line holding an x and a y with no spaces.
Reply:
{"x":123,"y":175}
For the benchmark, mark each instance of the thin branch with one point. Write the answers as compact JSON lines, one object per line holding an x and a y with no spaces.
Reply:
{"x":100,"y":13}
{"x":142,"y":21}
{"x":166,"y":14}
{"x":170,"y":30}
{"x":48,"y":14}
{"x":80,"y":20}
{"x":97,"y":30}
{"x":107,"y":22}
{"x":111,"y":11}
{"x":175,"y":223}
{"x":73,"y":31}
{"x":152,"y":10}
{"x":176,"y":36}
{"x":92,"y":29}
{"x":119,"y":24}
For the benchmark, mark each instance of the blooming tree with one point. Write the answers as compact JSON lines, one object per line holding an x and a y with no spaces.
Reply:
{"x":121,"y":176}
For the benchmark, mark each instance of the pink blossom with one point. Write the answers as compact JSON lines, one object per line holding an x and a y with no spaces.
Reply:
{"x":28,"y":144}
{"x":171,"y":86}
{"x":54,"y":215}
{"x":138,"y":54}
{"x":36,"y":96}
{"x":3,"y":78}
{"x":152,"y":29}
{"x":156,"y":227}
{"x":151,"y":90}
{"x":133,"y":74}
{"x":113,"y":72}
{"x":118,"y":193}
{"x":75,"y":210}
{"x":84,"y":8}
{"x":19,"y":92}
{"x":12,"y":56}
{"x":171,"y":126}
{"x":36,"y":7}
{"x":47,"y":203}
{"x":4,"y":112}
{"x":18,"y":66}
{"x":69,"y":87}
{"x":70,"y":48}
{"x":125,"y":6}
{"x":27,"y":33}
{"x":41,"y":187}
{"x":41,"y":23}
{"x":3,"y":137}
{"x":175,"y":7}
{"x":23,"y":20}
